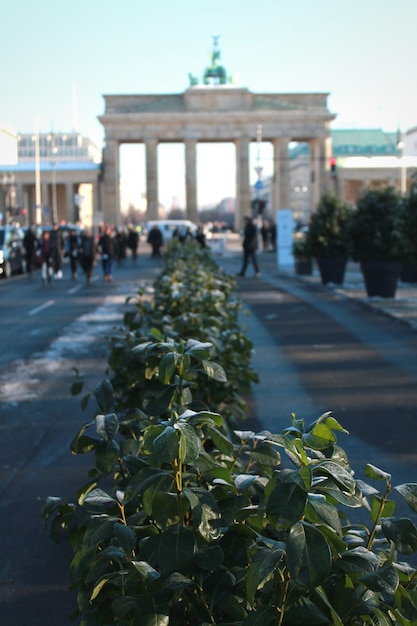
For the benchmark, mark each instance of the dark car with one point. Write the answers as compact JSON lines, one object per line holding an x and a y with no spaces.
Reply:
{"x":12,"y":251}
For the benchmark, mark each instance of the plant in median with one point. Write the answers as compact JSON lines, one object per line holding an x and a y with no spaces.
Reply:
{"x":183,"y":522}
{"x":180,"y":525}
{"x":193,"y":298}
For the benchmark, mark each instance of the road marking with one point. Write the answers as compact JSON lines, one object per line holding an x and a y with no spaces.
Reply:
{"x":40,"y":308}
{"x":75,"y":289}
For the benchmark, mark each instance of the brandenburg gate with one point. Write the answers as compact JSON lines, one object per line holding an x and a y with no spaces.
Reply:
{"x":216,"y":112}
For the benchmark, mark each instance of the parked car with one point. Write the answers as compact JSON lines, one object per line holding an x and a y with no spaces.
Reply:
{"x":168,"y":227}
{"x":12,"y":251}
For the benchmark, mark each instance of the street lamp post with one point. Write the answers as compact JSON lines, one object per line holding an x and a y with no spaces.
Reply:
{"x":54,"y":152}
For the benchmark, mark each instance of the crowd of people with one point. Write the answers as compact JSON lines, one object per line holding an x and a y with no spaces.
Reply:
{"x":46,"y":248}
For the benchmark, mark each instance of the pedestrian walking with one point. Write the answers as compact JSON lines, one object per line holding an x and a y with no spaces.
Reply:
{"x":265,"y":233}
{"x":133,"y":241}
{"x":108,"y":250}
{"x":250,"y":244}
{"x":57,"y":248}
{"x":45,"y":253}
{"x":87,"y":253}
{"x":30,"y":242}
{"x":156,"y":240}
{"x":121,"y":239}
{"x":72,"y":252}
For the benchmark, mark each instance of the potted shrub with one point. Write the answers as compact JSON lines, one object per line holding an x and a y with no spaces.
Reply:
{"x":377,"y":235}
{"x":303,"y":260}
{"x":409,"y":266}
{"x":329,"y":238}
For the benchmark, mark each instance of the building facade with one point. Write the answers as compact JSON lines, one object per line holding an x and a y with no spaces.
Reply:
{"x":55,"y":179}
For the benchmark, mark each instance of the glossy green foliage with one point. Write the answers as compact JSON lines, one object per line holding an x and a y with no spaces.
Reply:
{"x":185,"y":521}
{"x":191,"y":299}
{"x":328,"y":234}
{"x":377,"y":227}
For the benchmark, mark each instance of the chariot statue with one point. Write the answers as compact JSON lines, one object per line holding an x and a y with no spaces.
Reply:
{"x":215,"y":73}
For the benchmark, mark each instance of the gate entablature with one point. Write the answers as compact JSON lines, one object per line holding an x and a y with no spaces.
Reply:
{"x":216,"y":113}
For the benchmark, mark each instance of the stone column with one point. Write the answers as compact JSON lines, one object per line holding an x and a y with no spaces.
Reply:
{"x":314,"y":174}
{"x":281,"y":176}
{"x":243,"y":195}
{"x":191,"y":180}
{"x":111,"y":186}
{"x":152,"y":212}
{"x":69,"y":201}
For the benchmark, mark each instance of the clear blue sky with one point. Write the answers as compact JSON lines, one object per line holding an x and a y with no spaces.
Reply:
{"x":362,"y":52}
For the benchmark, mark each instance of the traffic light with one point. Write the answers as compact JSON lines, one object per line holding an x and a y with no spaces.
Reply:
{"x":333,"y":165}
{"x":258,"y":205}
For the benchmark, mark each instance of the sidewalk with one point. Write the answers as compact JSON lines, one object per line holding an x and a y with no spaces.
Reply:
{"x":403,"y":307}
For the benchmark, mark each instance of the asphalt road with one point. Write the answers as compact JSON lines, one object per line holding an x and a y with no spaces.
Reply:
{"x":314,"y":351}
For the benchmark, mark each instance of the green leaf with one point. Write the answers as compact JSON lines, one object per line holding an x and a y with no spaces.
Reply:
{"x":265,"y":454}
{"x":103,"y":394}
{"x":150,"y":487}
{"x":338,"y":473}
{"x":190,"y":444}
{"x":107,"y":425}
{"x":77,"y":387}
{"x":214,"y":371}
{"x":165,"y":445}
{"x":402,"y":532}
{"x":177,"y":582}
{"x":320,"y":438}
{"x":106,"y":455}
{"x":167,"y":367}
{"x":146,"y":571}
{"x":385,"y":580}
{"x":331,"y":422}
{"x":387,"y":510}
{"x":262,"y":570}
{"x":209,"y":558}
{"x":221,"y":442}
{"x":83,"y":444}
{"x":374,"y":472}
{"x":205,"y":512}
{"x":304,"y":611}
{"x":98,"y":497}
{"x":198,"y":348}
{"x":308,"y":555}
{"x":319,"y":511}
{"x":380,"y":618}
{"x":99,"y":586}
{"x":165,"y":509}
{"x":176,"y":550}
{"x":409,"y":493}
{"x":286,"y":504}
{"x":357,"y":561}
{"x":126,"y":537}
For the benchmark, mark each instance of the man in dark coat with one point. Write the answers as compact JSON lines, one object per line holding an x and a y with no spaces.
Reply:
{"x":156,"y":240}
{"x":250,"y":244}
{"x":30,"y":242}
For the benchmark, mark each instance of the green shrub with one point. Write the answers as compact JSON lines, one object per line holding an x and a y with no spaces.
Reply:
{"x":377,"y":226}
{"x":184,"y":521}
{"x":328,"y":234}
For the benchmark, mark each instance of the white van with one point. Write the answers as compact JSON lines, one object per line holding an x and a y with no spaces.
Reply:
{"x":167,"y":227}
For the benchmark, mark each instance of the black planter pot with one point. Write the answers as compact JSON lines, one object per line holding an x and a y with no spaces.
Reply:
{"x":408,"y":272}
{"x":303,"y":267}
{"x":381,"y":277}
{"x":332,"y":270}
